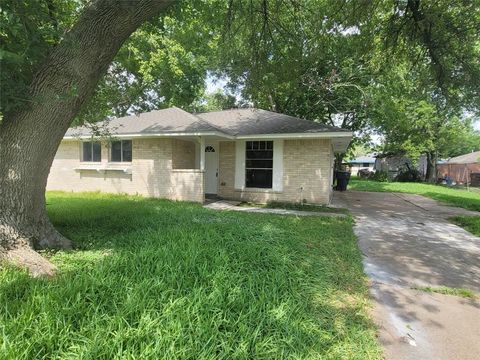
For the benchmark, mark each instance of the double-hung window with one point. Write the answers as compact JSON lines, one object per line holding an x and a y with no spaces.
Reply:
{"x":259,"y":164}
{"x":91,"y":151}
{"x":121,"y":151}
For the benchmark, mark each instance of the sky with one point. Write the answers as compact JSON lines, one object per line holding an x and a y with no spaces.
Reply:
{"x":214,"y":84}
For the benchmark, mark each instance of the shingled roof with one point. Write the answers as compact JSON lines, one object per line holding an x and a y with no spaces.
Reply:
{"x":165,"y":121}
{"x":231,"y":123}
{"x":473,"y":157}
{"x":242,"y":122}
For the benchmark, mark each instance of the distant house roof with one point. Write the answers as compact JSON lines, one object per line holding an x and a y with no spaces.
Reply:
{"x":363,"y":159}
{"x":473,"y":157}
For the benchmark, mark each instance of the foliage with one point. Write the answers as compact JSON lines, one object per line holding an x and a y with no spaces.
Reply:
{"x":161,"y":279}
{"x":381,"y":176}
{"x":416,"y":126}
{"x":425,"y":35}
{"x":365,"y":173}
{"x":359,"y":65}
{"x":216,"y":101}
{"x":163,"y":64}
{"x":471,"y":223}
{"x":456,"y":197}
{"x":445,"y":290}
{"x":28,"y":30}
{"x":296,"y":206}
{"x":408,"y":175}
{"x":305,"y":59}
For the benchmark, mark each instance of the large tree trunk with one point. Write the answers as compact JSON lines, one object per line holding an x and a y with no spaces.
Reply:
{"x":431,"y":173}
{"x":29,"y":138}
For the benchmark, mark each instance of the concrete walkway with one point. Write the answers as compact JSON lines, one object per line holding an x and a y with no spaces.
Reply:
{"x":233,"y":206}
{"x":407,"y":242}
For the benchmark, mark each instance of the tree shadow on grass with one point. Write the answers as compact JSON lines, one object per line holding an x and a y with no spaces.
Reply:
{"x":183,"y":281}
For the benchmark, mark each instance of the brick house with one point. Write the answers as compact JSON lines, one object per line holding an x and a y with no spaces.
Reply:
{"x":241,"y":154}
{"x":461,"y":168}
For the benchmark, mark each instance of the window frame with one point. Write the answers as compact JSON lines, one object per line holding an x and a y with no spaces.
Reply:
{"x":268,"y":146}
{"x":91,"y":142}
{"x":121,"y":141}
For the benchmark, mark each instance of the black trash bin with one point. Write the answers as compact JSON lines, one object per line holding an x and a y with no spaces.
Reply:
{"x":342,"y":180}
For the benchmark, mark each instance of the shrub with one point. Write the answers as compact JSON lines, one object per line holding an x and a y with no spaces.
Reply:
{"x":381,"y":176}
{"x":364,"y":173}
{"x":408,"y":175}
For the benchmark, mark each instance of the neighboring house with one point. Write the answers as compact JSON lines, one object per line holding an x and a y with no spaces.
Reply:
{"x":460,"y":168}
{"x":360,"y":163}
{"x":242,"y":154}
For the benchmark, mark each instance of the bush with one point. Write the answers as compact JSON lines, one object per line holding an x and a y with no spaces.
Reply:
{"x":364,"y":173}
{"x":408,"y":175}
{"x":381,"y":176}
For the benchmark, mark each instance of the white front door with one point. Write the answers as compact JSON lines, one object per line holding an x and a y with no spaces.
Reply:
{"x":211,"y":168}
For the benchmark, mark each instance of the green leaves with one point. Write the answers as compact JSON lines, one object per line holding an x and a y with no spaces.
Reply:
{"x":28,"y":30}
{"x":394,"y":67}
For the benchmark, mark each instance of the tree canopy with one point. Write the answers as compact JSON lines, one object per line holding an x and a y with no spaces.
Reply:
{"x":362,"y":65}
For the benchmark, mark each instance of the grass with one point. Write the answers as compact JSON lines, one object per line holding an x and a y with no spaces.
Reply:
{"x":465,"y":293}
{"x":159,"y":279}
{"x":456,"y":197}
{"x":470,"y":223}
{"x":296,"y":206}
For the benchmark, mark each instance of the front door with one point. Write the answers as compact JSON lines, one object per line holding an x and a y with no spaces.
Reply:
{"x":211,"y":168}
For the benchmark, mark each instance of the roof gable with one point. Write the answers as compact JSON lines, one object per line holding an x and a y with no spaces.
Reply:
{"x":229,"y":123}
{"x":165,"y":121}
{"x":241,"y":122}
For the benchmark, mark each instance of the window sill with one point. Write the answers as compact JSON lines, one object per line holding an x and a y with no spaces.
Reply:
{"x":103,"y":168}
{"x":188,"y":171}
{"x":259,"y":190}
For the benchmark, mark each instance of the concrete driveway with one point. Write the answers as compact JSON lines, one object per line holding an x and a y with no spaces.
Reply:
{"x":407,"y":242}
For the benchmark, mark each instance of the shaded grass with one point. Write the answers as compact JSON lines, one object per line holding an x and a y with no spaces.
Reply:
{"x":159,"y":279}
{"x":297,"y":206}
{"x":470,"y":223}
{"x":452,"y":196}
{"x":465,"y":293}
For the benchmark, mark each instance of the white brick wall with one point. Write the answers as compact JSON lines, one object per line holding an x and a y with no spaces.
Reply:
{"x":156,"y":171}
{"x":151,"y":172}
{"x":306,"y":173}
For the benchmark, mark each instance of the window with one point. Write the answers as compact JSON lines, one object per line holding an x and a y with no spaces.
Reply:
{"x":209,"y":149}
{"x":366,"y":164}
{"x":259,"y":164}
{"x":92,"y":151}
{"x":121,"y":151}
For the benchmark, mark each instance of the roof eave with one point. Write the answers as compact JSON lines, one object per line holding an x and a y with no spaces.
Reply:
{"x":319,"y":135}
{"x":154,"y":135}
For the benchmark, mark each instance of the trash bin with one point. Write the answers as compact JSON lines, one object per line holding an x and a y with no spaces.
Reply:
{"x":342,"y":180}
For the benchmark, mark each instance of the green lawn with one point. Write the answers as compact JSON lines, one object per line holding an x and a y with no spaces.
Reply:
{"x":158,"y":279}
{"x":457,"y":197}
{"x":471,"y":223}
{"x":296,"y":206}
